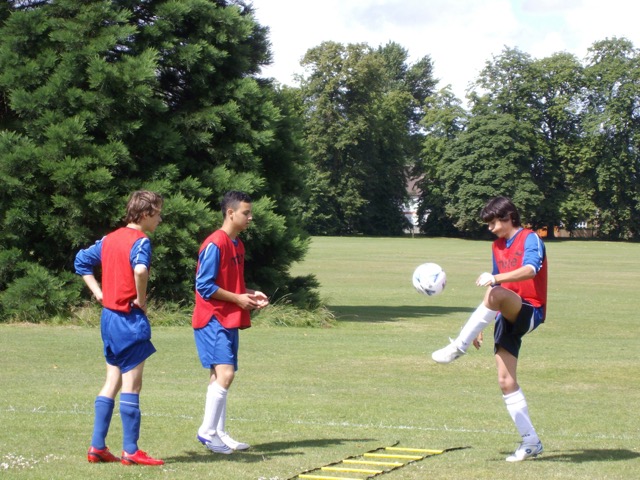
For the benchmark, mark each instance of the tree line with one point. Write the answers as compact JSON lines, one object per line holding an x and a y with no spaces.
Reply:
{"x":559,"y":136}
{"x":99,"y":98}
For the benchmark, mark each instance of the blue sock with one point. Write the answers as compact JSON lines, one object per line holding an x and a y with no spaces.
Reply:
{"x":130,"y":413}
{"x":103,"y":412}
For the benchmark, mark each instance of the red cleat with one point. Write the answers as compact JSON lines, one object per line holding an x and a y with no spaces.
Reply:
{"x":139,"y":458}
{"x":101,"y":456}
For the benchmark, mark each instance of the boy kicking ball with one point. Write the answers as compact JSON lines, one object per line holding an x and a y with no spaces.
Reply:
{"x":516,"y":300}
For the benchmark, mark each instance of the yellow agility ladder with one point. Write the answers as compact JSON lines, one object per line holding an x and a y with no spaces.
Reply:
{"x":371,"y":464}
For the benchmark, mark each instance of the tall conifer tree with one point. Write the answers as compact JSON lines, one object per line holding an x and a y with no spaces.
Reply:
{"x":98,"y":98}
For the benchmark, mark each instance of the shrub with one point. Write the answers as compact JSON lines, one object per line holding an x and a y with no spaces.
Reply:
{"x":9,"y":260}
{"x":39,"y":294}
{"x":283,"y":314}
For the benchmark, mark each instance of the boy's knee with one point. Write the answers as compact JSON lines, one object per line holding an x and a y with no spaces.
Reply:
{"x":503,"y":300}
{"x":507,"y":383}
{"x":493,"y":297}
{"x":224,"y":375}
{"x":508,"y":387}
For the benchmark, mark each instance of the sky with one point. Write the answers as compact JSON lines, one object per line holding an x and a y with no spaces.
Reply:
{"x":459,"y":36}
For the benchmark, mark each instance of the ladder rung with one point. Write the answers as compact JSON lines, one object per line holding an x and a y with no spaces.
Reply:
{"x":372,"y":462}
{"x":351,"y":470}
{"x":320,"y":477}
{"x":414,"y":450}
{"x":385,"y":455}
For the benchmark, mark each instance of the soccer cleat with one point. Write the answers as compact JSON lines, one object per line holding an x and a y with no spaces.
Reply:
{"x":101,"y":456}
{"x":139,"y":458}
{"x":231,"y":443}
{"x":215,"y":444}
{"x":447,"y":354}
{"x":525,"y":451}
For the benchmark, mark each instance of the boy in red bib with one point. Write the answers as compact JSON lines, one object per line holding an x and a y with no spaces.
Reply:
{"x":125,"y":256}
{"x":223,"y":306}
{"x":516,"y":300}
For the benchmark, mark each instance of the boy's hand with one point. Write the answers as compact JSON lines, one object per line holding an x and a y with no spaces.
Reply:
{"x":142,"y":307}
{"x":261,"y":299}
{"x":477,"y":342}
{"x":486,"y":280}
{"x":246,"y":301}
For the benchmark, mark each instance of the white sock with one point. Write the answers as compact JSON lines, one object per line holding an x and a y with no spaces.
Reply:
{"x":220,"y":426}
{"x":216,"y":398}
{"x":517,"y":407}
{"x":478,"y":321}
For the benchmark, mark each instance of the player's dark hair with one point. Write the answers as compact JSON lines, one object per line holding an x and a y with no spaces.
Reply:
{"x":142,"y":202}
{"x":232,"y":199}
{"x":501,"y":208}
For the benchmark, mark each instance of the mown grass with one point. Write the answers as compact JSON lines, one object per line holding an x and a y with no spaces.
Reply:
{"x":305,"y":397}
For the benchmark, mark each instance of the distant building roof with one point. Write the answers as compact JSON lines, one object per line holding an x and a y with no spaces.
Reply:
{"x":412,"y":186}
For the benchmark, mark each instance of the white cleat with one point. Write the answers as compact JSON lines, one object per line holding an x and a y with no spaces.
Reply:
{"x":447,"y":354}
{"x":215,"y":444}
{"x":525,"y":451}
{"x":231,"y":443}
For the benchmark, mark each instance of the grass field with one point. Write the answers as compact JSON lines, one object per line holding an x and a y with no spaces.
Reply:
{"x":306,"y":397}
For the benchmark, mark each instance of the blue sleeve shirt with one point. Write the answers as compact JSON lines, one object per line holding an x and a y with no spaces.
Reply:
{"x":209,"y":263}
{"x":141,"y":253}
{"x":88,"y":258}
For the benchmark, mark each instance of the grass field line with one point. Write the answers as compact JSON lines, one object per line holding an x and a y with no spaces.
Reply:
{"x":331,"y":424}
{"x":41,"y":410}
{"x":444,"y":428}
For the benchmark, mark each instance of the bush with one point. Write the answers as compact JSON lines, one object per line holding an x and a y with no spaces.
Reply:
{"x":39,"y":294}
{"x":283,"y":314}
{"x":9,"y":260}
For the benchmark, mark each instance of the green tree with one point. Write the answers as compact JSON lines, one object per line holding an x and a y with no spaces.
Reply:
{"x":491,"y":157}
{"x":101,"y":98}
{"x":360,"y":124}
{"x":545,"y":95}
{"x":612,"y":130}
{"x":58,"y":176}
{"x":444,"y":120}
{"x":559,"y":83}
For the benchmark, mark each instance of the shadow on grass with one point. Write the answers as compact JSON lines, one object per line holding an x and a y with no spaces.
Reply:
{"x":258,"y":452}
{"x":589,"y":455}
{"x":380,"y":313}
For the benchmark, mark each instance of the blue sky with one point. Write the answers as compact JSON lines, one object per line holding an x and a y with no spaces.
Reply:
{"x":460,"y":36}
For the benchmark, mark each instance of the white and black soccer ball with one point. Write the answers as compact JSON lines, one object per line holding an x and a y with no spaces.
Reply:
{"x":429,"y":279}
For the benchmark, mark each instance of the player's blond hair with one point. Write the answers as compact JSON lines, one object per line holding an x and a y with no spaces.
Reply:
{"x":141,"y":203}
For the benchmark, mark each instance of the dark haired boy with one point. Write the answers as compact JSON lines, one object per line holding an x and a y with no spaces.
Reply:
{"x":223,"y":306}
{"x":516,"y":299}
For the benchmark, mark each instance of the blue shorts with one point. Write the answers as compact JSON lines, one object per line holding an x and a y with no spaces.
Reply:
{"x":217,"y":345}
{"x":126,"y":338}
{"x":509,"y":335}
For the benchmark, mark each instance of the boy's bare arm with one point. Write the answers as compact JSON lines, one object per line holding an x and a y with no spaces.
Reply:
{"x":94,"y":286}
{"x":141,"y":277}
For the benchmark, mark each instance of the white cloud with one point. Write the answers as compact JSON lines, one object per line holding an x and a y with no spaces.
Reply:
{"x":549,"y":6}
{"x":460,"y":36}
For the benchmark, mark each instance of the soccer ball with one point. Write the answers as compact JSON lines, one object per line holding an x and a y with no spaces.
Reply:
{"x":429,"y":279}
